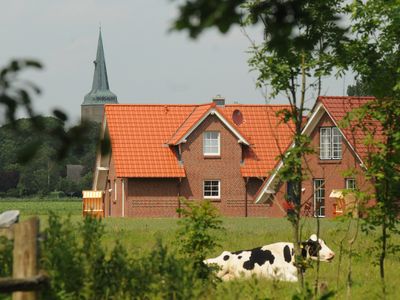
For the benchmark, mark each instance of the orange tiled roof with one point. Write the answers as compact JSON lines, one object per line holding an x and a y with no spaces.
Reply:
{"x":140,"y":133}
{"x":268,"y":136}
{"x":197,"y":113}
{"x":338,"y":107}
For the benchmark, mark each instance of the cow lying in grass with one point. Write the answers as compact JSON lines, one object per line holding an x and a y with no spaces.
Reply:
{"x":274,"y":261}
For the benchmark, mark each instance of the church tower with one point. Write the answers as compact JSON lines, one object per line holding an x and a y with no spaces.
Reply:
{"x":92,"y":108}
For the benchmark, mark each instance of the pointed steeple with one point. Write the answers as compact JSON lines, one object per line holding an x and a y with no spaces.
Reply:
{"x":100,"y":93}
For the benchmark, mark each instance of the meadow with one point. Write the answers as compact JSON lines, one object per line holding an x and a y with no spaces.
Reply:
{"x":140,"y":235}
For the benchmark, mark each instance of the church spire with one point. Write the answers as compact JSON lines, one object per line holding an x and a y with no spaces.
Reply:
{"x":100,"y":93}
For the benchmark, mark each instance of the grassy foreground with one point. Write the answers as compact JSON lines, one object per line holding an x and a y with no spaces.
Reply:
{"x":139,"y":235}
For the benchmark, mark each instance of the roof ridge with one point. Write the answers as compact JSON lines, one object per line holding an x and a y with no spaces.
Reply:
{"x":142,"y":104}
{"x":266,"y":105}
{"x":191,"y":105}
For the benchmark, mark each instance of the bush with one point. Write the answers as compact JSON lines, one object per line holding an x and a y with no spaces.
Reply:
{"x":199,"y":226}
{"x":79,"y":268}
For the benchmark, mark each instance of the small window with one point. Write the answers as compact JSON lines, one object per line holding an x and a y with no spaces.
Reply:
{"x":350,"y":184}
{"x":211,"y":143}
{"x":211,"y":189}
{"x":330,"y":143}
{"x":319,"y":197}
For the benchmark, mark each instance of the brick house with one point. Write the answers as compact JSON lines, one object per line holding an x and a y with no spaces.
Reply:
{"x":212,"y":151}
{"x":337,"y":151}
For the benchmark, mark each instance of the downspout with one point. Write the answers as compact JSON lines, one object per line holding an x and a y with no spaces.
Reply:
{"x":123,"y":196}
{"x":246,"y":181}
{"x":179,"y":197}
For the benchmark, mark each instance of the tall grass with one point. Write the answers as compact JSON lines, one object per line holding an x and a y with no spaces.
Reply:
{"x":139,"y":237}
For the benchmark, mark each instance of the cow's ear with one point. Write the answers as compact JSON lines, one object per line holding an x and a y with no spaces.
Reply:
{"x":313,"y":237}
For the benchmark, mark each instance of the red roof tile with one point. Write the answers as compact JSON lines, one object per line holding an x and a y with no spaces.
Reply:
{"x":338,"y":107}
{"x":268,"y":136}
{"x":139,"y":134}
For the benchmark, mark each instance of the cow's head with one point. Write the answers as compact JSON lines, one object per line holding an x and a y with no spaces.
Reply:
{"x":221,"y":263}
{"x":314,"y":247}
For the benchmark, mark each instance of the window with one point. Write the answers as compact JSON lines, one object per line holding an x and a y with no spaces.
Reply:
{"x":319,"y":197}
{"x":291,"y":191}
{"x":350,"y":183}
{"x":211,"y":143}
{"x":330,"y":143}
{"x":211,"y":189}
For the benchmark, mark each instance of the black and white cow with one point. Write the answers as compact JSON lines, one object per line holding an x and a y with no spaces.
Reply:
{"x":274,"y":261}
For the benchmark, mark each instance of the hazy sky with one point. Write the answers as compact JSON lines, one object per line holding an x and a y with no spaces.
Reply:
{"x":145,"y":62}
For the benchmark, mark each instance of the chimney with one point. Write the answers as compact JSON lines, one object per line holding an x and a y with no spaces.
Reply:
{"x":219,"y":100}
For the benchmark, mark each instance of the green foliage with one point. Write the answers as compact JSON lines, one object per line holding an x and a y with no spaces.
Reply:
{"x":374,"y":51}
{"x":16,"y":93}
{"x":379,"y":120}
{"x":77,"y":262}
{"x":42,"y":173}
{"x":195,"y":16}
{"x":307,"y":293}
{"x":6,"y":247}
{"x":162,"y":275}
{"x":61,"y":258}
{"x":282,"y":20}
{"x":198,"y":228}
{"x":360,"y":88}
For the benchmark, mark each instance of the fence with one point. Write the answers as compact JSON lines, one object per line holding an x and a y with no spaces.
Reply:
{"x":25,"y":280}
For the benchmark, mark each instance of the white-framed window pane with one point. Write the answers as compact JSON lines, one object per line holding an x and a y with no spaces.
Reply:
{"x":336,"y":143}
{"x":319,"y":197}
{"x":325,"y":142}
{"x":211,"y":189}
{"x":211,"y":143}
{"x":350,"y":183}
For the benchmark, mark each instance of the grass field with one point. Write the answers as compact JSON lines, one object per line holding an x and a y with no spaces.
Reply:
{"x":139,"y":235}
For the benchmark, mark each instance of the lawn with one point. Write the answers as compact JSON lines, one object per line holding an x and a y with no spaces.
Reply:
{"x":140,"y":235}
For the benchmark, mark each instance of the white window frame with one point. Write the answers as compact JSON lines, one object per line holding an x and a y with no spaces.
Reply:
{"x":351,"y":186}
{"x":219,"y":189}
{"x":207,"y":137}
{"x":330,"y":143}
{"x":319,"y":196}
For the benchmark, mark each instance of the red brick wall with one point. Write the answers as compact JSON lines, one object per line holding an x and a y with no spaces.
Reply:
{"x":330,"y":170}
{"x":225,"y":168}
{"x":152,"y":197}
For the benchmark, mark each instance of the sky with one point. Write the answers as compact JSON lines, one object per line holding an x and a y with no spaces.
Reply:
{"x":146,"y":63}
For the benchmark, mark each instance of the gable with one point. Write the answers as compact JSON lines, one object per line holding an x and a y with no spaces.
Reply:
{"x":329,"y":111}
{"x":197,"y":117}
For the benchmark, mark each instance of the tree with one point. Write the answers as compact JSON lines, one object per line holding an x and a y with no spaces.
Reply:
{"x":43,"y":172}
{"x":302,"y":41}
{"x":309,"y":56}
{"x":358,"y":89}
{"x":16,"y":95}
{"x":374,"y":54}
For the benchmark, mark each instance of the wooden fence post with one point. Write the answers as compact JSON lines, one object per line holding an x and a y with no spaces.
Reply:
{"x":25,"y":254}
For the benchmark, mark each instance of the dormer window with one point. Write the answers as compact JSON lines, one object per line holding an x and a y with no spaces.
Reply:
{"x":330,"y":141}
{"x":211,"y":143}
